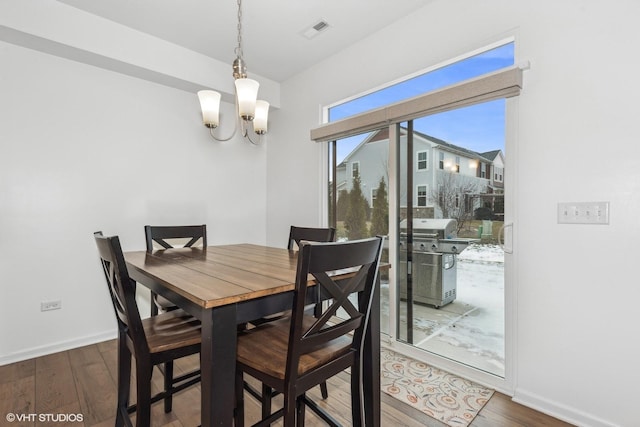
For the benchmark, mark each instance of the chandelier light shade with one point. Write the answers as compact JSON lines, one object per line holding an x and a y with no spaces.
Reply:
{"x":247,"y":94}
{"x":248,"y":108}
{"x":210,"y":106}
{"x":260,"y":118}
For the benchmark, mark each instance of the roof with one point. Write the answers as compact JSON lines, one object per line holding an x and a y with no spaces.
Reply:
{"x":491,"y":155}
{"x":383,"y":135}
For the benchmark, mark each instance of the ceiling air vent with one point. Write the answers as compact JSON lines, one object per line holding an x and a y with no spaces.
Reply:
{"x":315,"y":29}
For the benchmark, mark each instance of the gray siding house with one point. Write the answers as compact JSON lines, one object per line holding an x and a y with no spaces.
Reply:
{"x":438,"y":167}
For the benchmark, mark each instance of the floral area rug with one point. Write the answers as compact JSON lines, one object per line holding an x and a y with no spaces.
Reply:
{"x":439,"y":394}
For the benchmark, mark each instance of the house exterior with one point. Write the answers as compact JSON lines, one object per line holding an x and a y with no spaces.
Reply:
{"x":438,"y":167}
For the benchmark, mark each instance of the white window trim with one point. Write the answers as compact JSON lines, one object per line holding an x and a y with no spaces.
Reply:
{"x":426,"y":196}
{"x":426,"y":161}
{"x":352,"y":169}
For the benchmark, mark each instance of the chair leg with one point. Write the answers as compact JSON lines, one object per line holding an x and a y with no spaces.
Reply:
{"x":168,"y":386}
{"x":290,"y":410}
{"x":300,"y":407}
{"x":154,"y":306}
{"x":143,"y":395}
{"x":356,"y":398}
{"x":124,"y":381}
{"x":323,"y":390}
{"x":267,"y":397}
{"x":239,"y":400}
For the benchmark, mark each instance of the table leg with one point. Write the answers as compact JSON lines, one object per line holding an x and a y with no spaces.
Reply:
{"x":218,"y":362}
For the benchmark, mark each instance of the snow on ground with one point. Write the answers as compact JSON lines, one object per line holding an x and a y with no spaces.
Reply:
{"x":477,"y":338}
{"x":471,"y":329}
{"x":482,"y":253}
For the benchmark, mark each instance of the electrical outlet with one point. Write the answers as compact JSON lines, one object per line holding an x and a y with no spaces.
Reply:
{"x":50,"y":305}
{"x":583,"y":213}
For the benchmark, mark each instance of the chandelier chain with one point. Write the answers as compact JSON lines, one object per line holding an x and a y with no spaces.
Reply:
{"x":238,"y":49}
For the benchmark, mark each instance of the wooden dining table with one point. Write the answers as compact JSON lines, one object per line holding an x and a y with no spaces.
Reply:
{"x":227,"y":285}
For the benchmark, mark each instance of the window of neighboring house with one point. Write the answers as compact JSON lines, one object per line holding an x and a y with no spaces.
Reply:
{"x":423,"y":163}
{"x":468,"y":203}
{"x":483,"y":170}
{"x":441,"y":160}
{"x":456,"y":168}
{"x":498,"y":174}
{"x":355,"y":169}
{"x":422,"y":196}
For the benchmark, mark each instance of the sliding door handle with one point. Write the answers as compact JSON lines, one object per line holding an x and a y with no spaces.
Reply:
{"x":505,"y":237}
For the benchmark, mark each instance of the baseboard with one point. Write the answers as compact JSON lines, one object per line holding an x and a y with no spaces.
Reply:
{"x":561,"y":412}
{"x":56,"y":347}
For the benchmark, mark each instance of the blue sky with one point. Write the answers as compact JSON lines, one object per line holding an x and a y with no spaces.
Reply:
{"x":479,"y":128}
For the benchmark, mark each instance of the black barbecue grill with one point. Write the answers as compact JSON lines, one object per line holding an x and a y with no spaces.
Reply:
{"x":434,"y":251}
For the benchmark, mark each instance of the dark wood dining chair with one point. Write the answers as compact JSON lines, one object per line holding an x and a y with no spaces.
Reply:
{"x":304,"y":349}
{"x":167,"y":237}
{"x":154,"y":341}
{"x":296,"y":235}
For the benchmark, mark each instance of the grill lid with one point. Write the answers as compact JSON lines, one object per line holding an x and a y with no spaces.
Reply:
{"x":434,"y":235}
{"x":444,"y":228}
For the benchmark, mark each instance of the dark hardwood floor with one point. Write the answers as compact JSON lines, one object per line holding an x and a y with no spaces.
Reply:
{"x":82,"y":382}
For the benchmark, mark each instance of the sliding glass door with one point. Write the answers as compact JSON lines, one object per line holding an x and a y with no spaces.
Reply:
{"x":449,"y":212}
{"x":445,"y":291}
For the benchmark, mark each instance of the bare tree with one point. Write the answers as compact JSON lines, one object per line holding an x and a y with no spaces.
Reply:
{"x":453,"y":196}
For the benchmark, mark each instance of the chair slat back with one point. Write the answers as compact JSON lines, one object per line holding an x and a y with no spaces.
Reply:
{"x":167,"y":236}
{"x":361,"y":259}
{"x":122,"y":289}
{"x":297,"y":234}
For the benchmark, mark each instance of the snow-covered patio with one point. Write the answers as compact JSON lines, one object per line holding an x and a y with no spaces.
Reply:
{"x":469,"y":330}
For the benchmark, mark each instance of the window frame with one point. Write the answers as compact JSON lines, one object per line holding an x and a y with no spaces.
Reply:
{"x":425,"y":161}
{"x":425,"y":196}
{"x":355,"y":166}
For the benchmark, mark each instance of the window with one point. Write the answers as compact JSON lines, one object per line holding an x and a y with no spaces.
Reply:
{"x":464,"y":69}
{"x":425,"y":115}
{"x":483,"y":170}
{"x":355,"y":169}
{"x":498,"y":174}
{"x":422,"y":196}
{"x":423,"y":162}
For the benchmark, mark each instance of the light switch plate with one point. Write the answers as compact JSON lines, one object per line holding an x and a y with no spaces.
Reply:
{"x":583,"y":213}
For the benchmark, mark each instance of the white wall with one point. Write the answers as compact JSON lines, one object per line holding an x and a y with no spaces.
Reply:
{"x":85,"y":149}
{"x":577,"y":347}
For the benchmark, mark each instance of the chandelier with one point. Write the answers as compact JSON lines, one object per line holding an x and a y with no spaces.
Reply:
{"x":248,"y":108}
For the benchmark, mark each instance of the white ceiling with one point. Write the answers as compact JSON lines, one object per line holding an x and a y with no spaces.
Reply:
{"x":273,"y":44}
